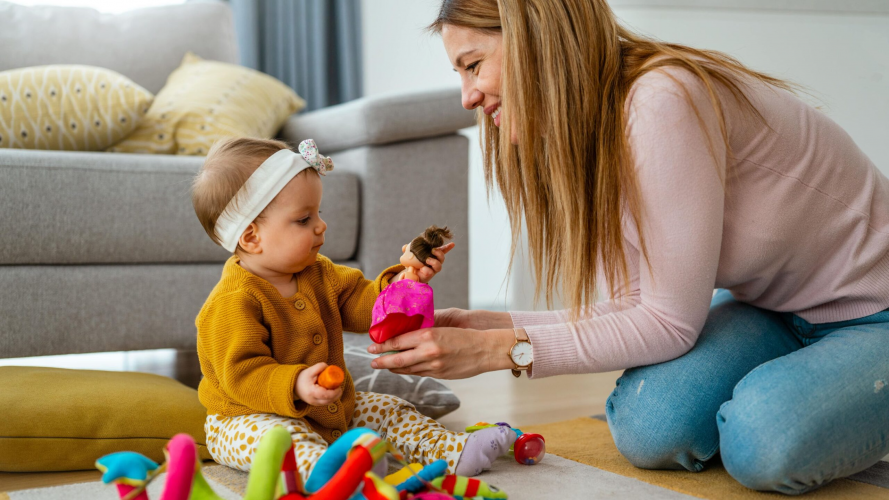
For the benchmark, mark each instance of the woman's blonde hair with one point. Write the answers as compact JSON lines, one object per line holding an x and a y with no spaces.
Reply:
{"x":229,"y":163}
{"x":567,"y":69}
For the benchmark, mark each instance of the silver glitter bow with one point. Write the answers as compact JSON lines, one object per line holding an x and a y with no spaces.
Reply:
{"x":319,"y":162}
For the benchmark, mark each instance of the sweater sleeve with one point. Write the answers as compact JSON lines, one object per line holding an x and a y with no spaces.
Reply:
{"x":234,"y":341}
{"x":356,"y":295}
{"x":680,"y":161}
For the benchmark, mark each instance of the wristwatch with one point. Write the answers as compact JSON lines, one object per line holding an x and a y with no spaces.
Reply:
{"x":521,"y":354}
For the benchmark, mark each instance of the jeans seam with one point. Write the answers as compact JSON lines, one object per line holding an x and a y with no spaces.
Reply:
{"x":881,"y":443}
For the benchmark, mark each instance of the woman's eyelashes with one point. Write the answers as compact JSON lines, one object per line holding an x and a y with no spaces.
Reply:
{"x":472,"y":67}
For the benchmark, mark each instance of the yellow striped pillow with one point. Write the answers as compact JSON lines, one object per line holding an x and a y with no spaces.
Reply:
{"x":204,"y":101}
{"x":67,"y":107}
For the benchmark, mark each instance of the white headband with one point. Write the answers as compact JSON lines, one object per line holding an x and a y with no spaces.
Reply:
{"x":261,"y":188}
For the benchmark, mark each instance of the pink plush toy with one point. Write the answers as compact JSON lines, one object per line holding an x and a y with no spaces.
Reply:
{"x":408,"y":305}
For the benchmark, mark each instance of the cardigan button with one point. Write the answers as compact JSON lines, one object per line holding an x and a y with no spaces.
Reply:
{"x":299,"y":305}
{"x":317,"y":339}
{"x":332,"y":407}
{"x":336,"y":434}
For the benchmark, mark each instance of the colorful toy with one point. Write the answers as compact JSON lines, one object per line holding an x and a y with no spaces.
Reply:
{"x":408,"y":305}
{"x":420,"y":480}
{"x":404,"y":474}
{"x":332,"y":377}
{"x":129,"y":470}
{"x":529,"y":449}
{"x":467,"y":487}
{"x":344,"y":472}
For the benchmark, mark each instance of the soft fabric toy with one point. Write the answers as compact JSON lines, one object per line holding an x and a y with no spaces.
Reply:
{"x":415,"y":482}
{"x":467,"y":487}
{"x":129,"y":470}
{"x":408,"y":305}
{"x":272,"y":476}
{"x":344,"y":472}
{"x":529,"y":449}
{"x":403,"y":474}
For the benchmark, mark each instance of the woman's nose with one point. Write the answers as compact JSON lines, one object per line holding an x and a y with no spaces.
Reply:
{"x":472,"y":98}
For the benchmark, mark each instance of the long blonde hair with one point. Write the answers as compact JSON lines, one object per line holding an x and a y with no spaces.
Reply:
{"x":568,"y":66}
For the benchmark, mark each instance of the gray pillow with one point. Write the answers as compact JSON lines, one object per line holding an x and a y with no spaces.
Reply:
{"x":431,"y":397}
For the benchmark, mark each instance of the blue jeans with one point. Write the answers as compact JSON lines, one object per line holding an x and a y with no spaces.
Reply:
{"x":788,"y":405}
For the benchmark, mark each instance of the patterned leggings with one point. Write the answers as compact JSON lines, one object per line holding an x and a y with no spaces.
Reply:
{"x":233,"y":440}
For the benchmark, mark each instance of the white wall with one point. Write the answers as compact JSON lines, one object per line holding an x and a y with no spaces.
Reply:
{"x":841,"y":57}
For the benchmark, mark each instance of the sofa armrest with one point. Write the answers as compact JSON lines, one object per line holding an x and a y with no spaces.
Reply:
{"x":381,"y":120}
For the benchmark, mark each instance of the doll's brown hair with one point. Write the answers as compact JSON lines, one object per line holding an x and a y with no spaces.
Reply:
{"x":432,"y":238}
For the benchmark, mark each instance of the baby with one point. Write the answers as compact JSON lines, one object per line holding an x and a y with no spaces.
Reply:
{"x":275,"y":320}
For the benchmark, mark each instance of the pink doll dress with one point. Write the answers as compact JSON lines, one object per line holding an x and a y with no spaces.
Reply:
{"x":403,"y":306}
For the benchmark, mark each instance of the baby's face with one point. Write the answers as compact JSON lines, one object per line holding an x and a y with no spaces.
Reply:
{"x":291,"y":231}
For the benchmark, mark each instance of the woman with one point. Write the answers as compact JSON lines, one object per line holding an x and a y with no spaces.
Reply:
{"x":660,"y":172}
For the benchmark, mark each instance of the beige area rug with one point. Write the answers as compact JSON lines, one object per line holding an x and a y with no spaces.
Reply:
{"x":588,"y":441}
{"x":582,"y":463}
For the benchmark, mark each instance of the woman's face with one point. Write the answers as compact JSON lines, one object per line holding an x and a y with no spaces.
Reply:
{"x":476,"y":56}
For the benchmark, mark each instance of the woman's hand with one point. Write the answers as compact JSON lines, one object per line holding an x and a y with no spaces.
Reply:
{"x":445,"y":353}
{"x":308,"y":390}
{"x":427,"y":272}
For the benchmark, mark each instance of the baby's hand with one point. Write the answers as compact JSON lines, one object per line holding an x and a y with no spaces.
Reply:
{"x":433,"y":266}
{"x":308,"y":390}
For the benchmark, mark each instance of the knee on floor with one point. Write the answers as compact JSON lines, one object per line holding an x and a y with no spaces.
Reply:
{"x":649,"y":444}
{"x":762,"y":453}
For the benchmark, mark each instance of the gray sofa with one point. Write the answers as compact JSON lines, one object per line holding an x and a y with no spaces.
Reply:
{"x":102,"y":252}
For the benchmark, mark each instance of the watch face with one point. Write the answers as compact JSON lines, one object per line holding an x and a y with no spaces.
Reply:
{"x":521,"y":354}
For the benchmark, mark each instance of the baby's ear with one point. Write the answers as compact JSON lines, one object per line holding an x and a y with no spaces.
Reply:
{"x":250,"y":241}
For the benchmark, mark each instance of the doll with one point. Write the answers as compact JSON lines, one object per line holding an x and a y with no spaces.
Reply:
{"x":408,"y":305}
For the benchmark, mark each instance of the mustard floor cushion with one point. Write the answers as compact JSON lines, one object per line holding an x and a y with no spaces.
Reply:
{"x":204,"y":101}
{"x":54,"y":419}
{"x":68,"y":107}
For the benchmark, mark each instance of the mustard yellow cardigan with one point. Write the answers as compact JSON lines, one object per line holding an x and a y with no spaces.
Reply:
{"x":253,"y":343}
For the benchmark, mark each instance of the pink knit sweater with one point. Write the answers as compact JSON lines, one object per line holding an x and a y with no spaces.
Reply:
{"x":801,"y":226}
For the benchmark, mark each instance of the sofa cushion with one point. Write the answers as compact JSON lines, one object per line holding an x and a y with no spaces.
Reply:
{"x":47,"y":310}
{"x":144,"y":44}
{"x":53,"y":419}
{"x":205,"y":101}
{"x":77,"y":208}
{"x":68,"y":107}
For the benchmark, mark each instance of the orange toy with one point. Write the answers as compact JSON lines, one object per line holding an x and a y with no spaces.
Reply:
{"x":332,"y":377}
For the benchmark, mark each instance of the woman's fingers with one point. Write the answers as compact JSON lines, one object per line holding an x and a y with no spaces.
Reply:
{"x":400,"y":343}
{"x":401,"y":361}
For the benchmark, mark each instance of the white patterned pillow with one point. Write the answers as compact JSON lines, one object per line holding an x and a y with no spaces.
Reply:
{"x":68,"y":107}
{"x":431,"y":397}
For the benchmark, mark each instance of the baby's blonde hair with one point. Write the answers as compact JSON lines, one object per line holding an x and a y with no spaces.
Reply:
{"x":229,"y":164}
